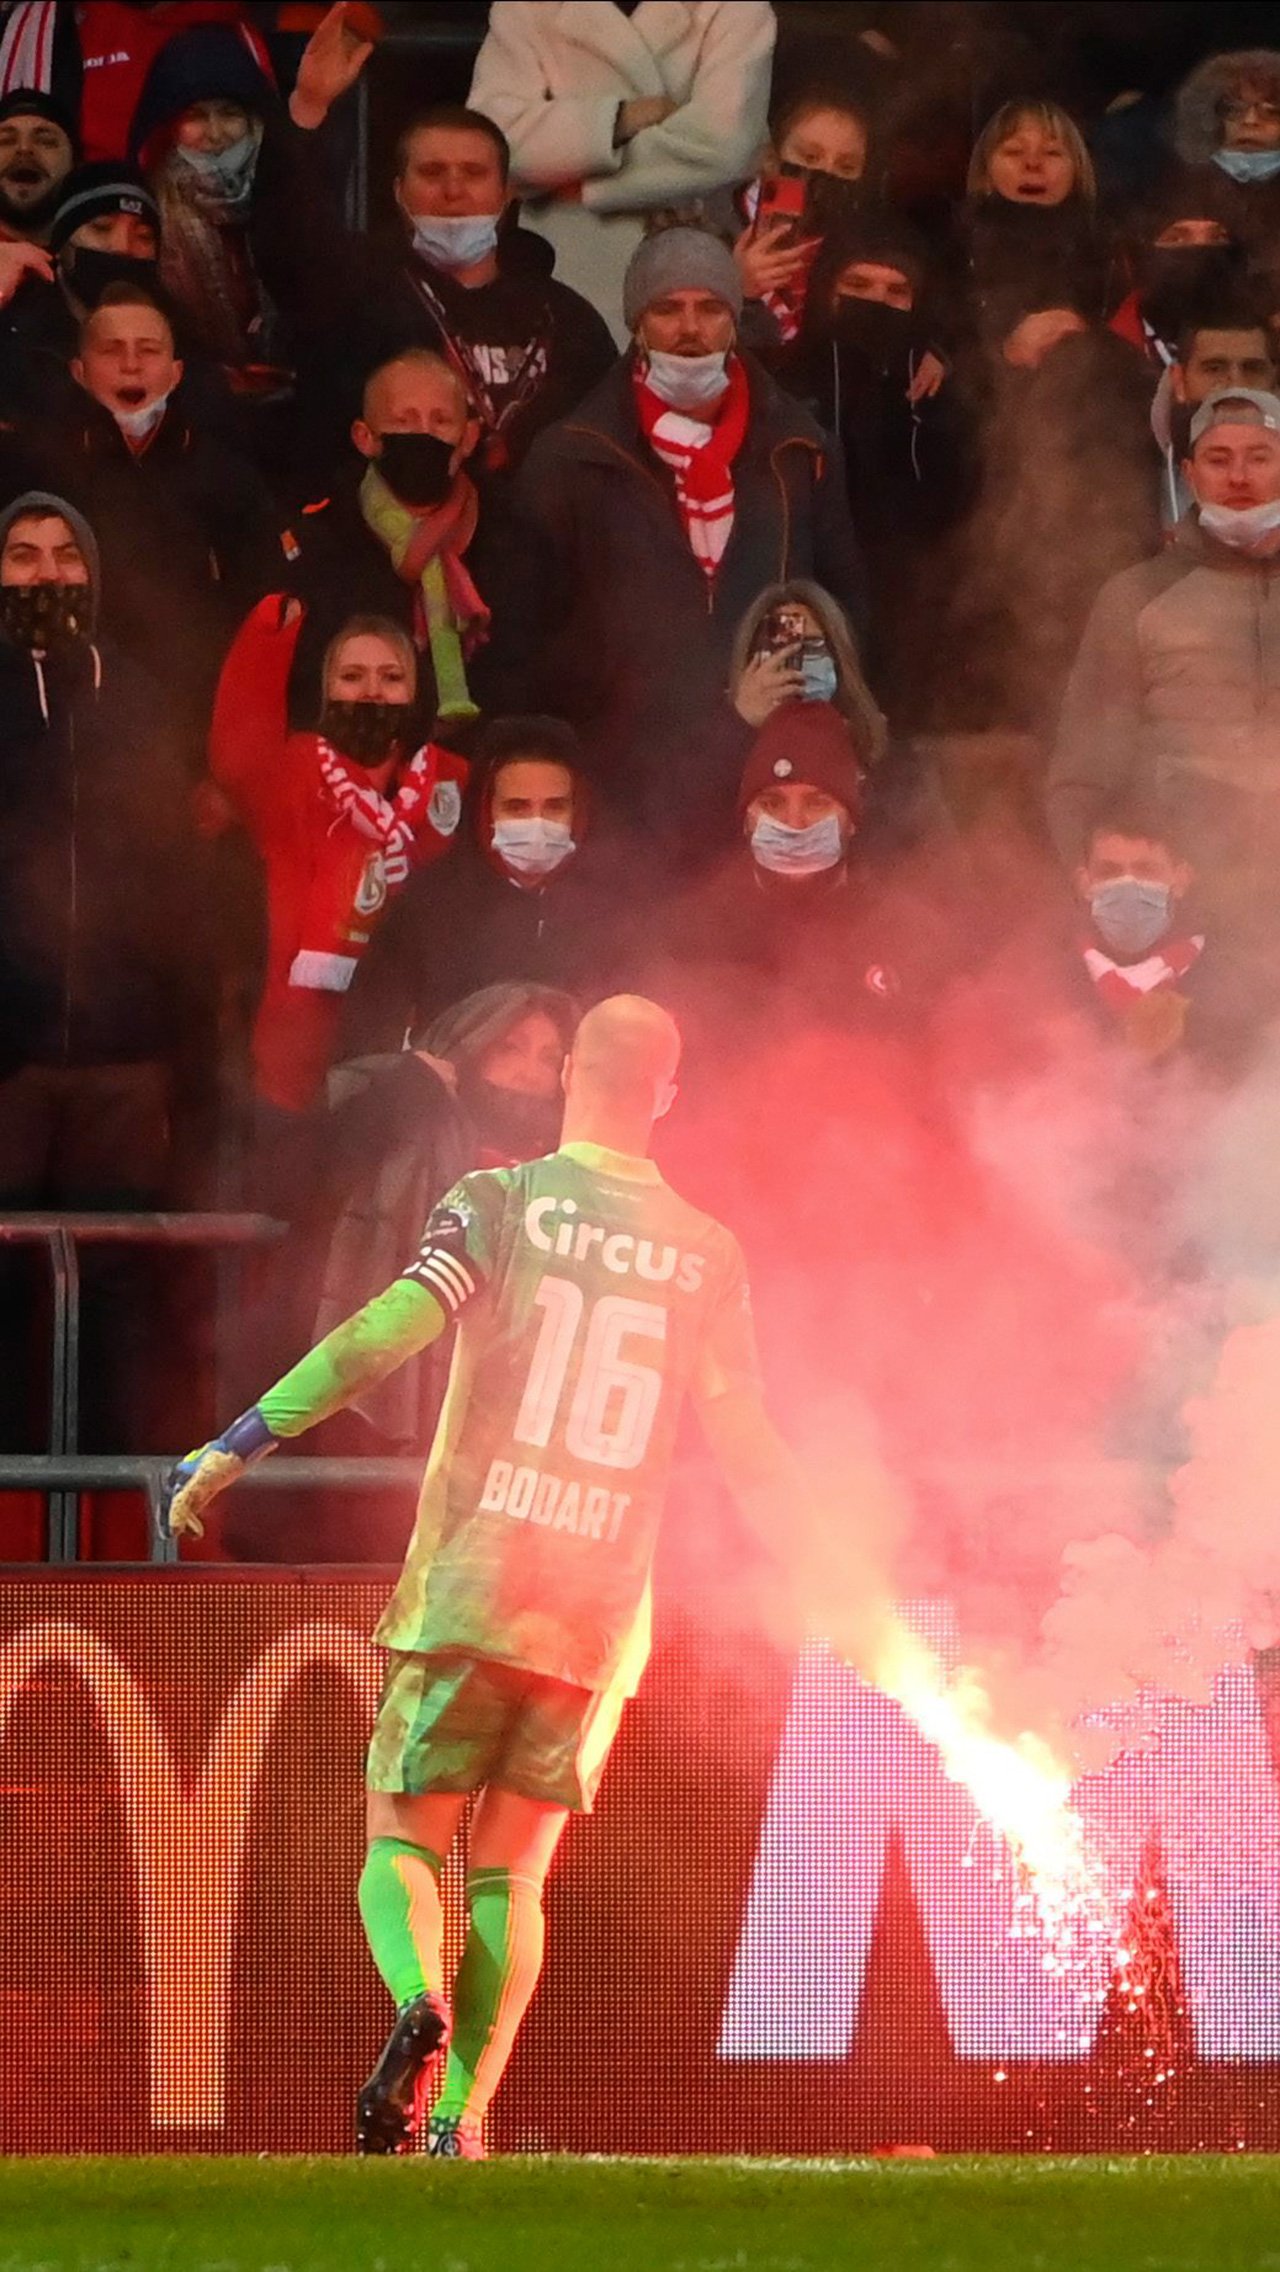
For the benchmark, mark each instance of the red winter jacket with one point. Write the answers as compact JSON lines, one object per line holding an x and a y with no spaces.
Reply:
{"x":326,"y":886}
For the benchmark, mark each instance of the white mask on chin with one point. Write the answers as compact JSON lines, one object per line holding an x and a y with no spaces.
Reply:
{"x":138,"y":424}
{"x":455,"y":240}
{"x":1244,"y":531}
{"x":688,"y":382}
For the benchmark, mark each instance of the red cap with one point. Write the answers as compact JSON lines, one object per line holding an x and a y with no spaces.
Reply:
{"x":806,"y":742}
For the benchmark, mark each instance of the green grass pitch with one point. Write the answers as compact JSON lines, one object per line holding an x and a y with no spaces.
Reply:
{"x":1163,"y":2214}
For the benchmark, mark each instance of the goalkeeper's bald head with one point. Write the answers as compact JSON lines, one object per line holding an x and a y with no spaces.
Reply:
{"x":624,"y":1059}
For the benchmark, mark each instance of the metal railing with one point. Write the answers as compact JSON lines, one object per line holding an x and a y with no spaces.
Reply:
{"x":64,"y":1472}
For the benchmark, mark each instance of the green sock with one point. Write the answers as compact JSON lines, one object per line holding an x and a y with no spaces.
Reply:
{"x":402,"y":1916}
{"x":496,"y":1978}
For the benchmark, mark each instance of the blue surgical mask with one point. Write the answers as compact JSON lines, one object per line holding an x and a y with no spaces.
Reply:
{"x":688,"y":382}
{"x":797,"y":851}
{"x":1131,"y":915}
{"x":230,"y":172}
{"x":818,"y":677}
{"x":532,"y":847}
{"x":455,"y":240}
{"x":1248,"y":165}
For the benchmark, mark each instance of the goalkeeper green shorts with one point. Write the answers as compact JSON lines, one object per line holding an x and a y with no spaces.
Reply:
{"x":455,"y":1723}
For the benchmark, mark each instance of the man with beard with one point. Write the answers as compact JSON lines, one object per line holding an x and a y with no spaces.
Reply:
{"x":37,"y":152}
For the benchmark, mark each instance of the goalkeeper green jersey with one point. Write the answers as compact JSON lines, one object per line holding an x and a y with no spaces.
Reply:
{"x":590,"y":1299}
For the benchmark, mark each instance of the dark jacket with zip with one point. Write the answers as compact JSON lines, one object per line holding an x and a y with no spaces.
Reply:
{"x":96,"y":929}
{"x":604,"y":616}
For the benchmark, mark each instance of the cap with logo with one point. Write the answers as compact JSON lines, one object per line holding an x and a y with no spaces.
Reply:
{"x":1225,"y":409}
{"x":809,"y":743}
{"x":104,"y":187}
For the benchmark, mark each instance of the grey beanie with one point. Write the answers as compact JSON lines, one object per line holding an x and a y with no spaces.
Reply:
{"x":44,"y":505}
{"x":679,"y":260}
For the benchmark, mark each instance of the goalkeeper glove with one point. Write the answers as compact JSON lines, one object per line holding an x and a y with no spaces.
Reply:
{"x":196,"y":1480}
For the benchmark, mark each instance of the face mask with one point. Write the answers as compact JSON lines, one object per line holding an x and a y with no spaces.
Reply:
{"x":1248,"y":165}
{"x":796,"y":851}
{"x":456,"y":240}
{"x":229,"y":172}
{"x":818,"y":674}
{"x":687,"y":382}
{"x":366,"y":732}
{"x":1176,"y":279}
{"x":524,"y":1127}
{"x":532,"y":847}
{"x":884,"y":336}
{"x":89,"y":270}
{"x":1243,"y":530}
{"x":1131,"y":915}
{"x":45,"y":615}
{"x":417,"y":466}
{"x":137,"y":424}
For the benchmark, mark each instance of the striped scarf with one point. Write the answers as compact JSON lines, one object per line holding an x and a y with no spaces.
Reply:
{"x":700,"y":455}
{"x":426,"y":547}
{"x":391,"y":822}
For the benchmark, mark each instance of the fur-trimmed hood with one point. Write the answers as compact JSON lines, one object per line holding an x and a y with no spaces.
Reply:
{"x":1197,"y":128}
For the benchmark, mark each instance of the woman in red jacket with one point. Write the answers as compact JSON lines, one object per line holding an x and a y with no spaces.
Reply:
{"x":340,"y":819}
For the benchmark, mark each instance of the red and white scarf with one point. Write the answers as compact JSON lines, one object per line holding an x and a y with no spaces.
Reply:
{"x":393,"y":823}
{"x":700,"y":454}
{"x":1118,"y":982}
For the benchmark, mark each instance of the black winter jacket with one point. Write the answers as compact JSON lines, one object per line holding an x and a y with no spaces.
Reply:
{"x":602,"y":614}
{"x":96,"y":933}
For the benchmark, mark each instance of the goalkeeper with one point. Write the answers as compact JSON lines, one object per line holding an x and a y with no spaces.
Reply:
{"x":589,"y":1300}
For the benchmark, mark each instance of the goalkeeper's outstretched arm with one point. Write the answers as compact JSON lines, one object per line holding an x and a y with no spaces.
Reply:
{"x":395,"y":1325}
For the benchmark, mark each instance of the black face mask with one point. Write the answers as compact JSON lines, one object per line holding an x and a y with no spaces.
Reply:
{"x":524,"y":1127}
{"x":89,"y":270}
{"x":830,"y":202}
{"x":881,"y":335}
{"x":417,"y":467}
{"x":45,"y":615}
{"x":1176,"y":280}
{"x":366,"y":732}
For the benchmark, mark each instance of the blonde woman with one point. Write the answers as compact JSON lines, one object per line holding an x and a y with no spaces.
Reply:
{"x":1029,"y":228}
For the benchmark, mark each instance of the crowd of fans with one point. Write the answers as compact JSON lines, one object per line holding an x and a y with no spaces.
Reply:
{"x":731,"y":531}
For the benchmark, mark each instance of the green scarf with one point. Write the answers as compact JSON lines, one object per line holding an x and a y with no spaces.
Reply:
{"x":426,"y":550}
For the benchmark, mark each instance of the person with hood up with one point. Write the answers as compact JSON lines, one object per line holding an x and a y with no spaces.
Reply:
{"x":650,"y":520}
{"x":1183,"y":256}
{"x":532,"y":893}
{"x":860,"y":364}
{"x":94,"y":940}
{"x":341,"y":815}
{"x":242,"y":204}
{"x":480,"y":1088}
{"x":1226,"y":132}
